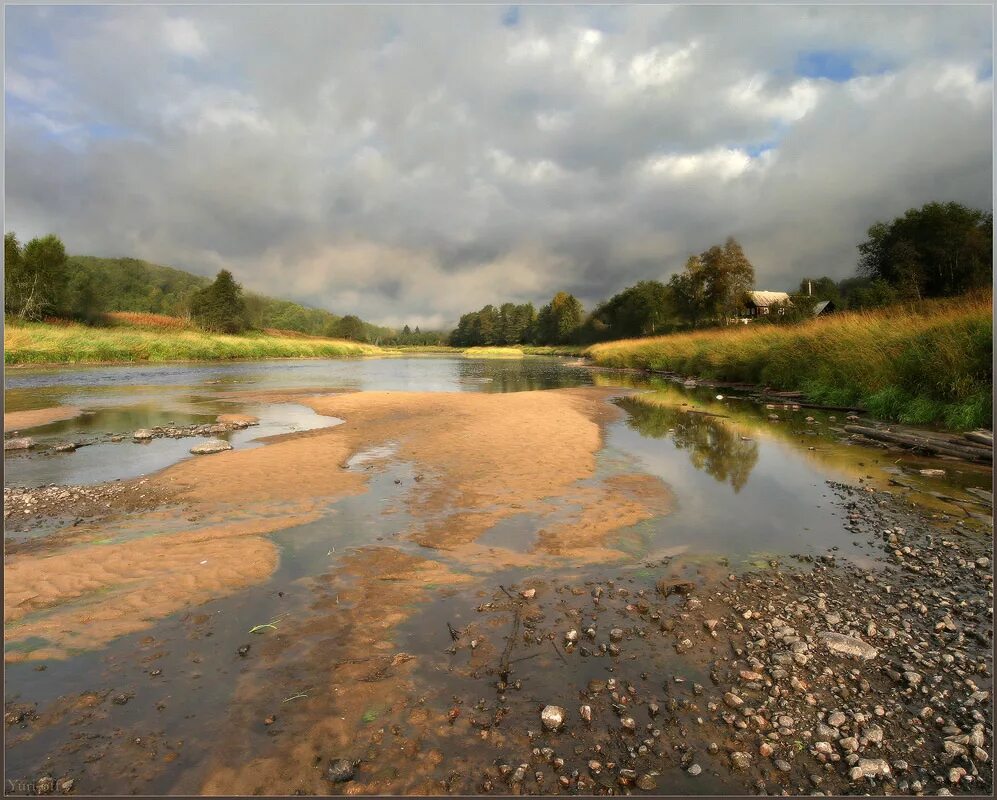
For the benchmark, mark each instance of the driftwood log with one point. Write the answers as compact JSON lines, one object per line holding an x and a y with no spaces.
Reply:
{"x":928,"y":445}
{"x":980,"y":437}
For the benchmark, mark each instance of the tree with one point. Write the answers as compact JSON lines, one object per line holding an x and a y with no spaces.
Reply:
{"x":728,"y":277}
{"x":220,"y":306}
{"x":558,"y":321}
{"x":639,"y":310}
{"x":688,"y":291}
{"x":34,"y":276}
{"x":406,"y":330}
{"x":349,"y":327}
{"x":938,"y":250}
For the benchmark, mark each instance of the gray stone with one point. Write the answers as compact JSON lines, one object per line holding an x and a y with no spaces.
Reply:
{"x":210,"y":446}
{"x":848,"y":646}
{"x":142,"y":434}
{"x":21,"y":443}
{"x":870,"y":768}
{"x":694,"y":770}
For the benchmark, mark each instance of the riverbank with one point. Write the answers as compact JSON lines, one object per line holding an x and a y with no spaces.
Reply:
{"x":924,"y":364}
{"x":389,"y":605}
{"x":42,"y":343}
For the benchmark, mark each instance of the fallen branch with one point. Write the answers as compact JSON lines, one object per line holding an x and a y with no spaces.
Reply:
{"x":922,"y":443}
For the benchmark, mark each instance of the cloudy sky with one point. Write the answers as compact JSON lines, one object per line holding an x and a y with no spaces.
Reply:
{"x":411,"y":163}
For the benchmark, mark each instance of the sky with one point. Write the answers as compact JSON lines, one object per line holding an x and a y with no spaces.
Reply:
{"x":408,"y":164}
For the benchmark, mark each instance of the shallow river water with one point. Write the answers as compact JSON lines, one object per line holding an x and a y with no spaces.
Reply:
{"x":746,"y":491}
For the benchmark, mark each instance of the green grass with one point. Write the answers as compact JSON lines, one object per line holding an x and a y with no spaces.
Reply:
{"x":46,"y":343}
{"x":923,"y":364}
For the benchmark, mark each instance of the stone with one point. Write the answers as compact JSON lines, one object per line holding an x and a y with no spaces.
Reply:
{"x":848,"y":646}
{"x":552,"y":717}
{"x":210,"y":446}
{"x":341,"y":770}
{"x":571,"y":637}
{"x":646,"y":783}
{"x":870,"y":768}
{"x":528,"y":594}
{"x":740,"y":760}
{"x":45,"y":785}
{"x":616,"y":635}
{"x":66,"y":785}
{"x":628,"y":724}
{"x":21,"y":443}
{"x":733,"y":700}
{"x":68,"y":447}
{"x":142,"y":434}
{"x":585,"y":712}
{"x":836,"y":719}
{"x":765,"y":750}
{"x":694,"y":770}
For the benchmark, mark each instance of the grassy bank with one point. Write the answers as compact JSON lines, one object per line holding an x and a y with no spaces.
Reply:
{"x":46,"y":343}
{"x":925,"y":364}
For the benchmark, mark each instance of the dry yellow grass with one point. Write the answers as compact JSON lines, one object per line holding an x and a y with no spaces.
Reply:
{"x":919,"y":363}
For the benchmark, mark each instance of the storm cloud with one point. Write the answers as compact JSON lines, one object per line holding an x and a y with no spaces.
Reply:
{"x":410,"y":163}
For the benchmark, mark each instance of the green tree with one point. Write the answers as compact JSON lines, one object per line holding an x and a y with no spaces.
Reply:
{"x":688,"y":291}
{"x":728,"y":276}
{"x":220,"y":306}
{"x":938,"y":250}
{"x":34,"y":276}
{"x":559,"y":321}
{"x":643,"y":309}
{"x":349,"y":327}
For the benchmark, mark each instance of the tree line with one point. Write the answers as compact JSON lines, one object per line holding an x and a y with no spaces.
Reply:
{"x":41,"y":281}
{"x":938,"y":250}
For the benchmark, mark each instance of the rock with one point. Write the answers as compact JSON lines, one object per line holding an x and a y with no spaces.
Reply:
{"x":341,"y":770}
{"x":836,"y":719}
{"x":848,"y":646}
{"x":45,"y":785}
{"x":120,"y":699}
{"x":142,"y":434}
{"x":765,"y":750}
{"x":210,"y":446}
{"x":585,"y":712}
{"x":694,"y":770}
{"x":668,"y":587}
{"x":21,"y":443}
{"x":528,"y":594}
{"x":68,"y":447}
{"x":571,"y":637}
{"x":244,"y":650}
{"x":66,"y":785}
{"x":646,"y":783}
{"x":782,"y":766}
{"x":740,"y":760}
{"x":733,"y":700}
{"x":616,"y":635}
{"x":628,"y":724}
{"x":870,"y":768}
{"x":552,"y":717}
{"x":932,"y":473}
{"x":956,"y":774}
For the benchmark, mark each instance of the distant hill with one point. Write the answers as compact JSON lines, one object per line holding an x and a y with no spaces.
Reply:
{"x":130,"y":284}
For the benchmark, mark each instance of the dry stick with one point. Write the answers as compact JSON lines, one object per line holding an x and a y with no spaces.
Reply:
{"x":558,"y":652}
{"x":504,"y":668}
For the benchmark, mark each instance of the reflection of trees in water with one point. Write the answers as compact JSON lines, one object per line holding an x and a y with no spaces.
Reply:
{"x":520,"y":375}
{"x":713,"y":445}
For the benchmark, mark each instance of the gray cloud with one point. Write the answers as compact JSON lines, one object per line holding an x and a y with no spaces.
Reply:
{"x":411,"y":163}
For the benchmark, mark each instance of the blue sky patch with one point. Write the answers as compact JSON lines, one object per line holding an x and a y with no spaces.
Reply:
{"x":835,"y":66}
{"x":510,"y":17}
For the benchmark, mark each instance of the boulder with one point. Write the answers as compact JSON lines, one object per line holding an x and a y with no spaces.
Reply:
{"x":21,"y":443}
{"x":842,"y":645}
{"x":210,"y":446}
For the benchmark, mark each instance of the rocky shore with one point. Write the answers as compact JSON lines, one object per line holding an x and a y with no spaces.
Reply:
{"x":815,"y":677}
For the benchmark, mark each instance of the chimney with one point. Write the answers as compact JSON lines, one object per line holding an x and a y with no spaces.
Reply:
{"x":810,"y":288}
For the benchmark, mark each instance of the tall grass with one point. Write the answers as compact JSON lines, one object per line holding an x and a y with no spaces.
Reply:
{"x":920,"y":364}
{"x":42,"y":343}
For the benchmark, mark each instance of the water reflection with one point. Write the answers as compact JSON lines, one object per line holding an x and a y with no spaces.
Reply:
{"x":519,"y":375}
{"x":714,"y":446}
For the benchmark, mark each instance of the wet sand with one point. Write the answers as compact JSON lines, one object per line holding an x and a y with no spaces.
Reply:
{"x":22,"y":420}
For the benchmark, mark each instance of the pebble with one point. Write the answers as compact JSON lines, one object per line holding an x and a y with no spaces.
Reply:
{"x":552,"y":717}
{"x":341,"y":770}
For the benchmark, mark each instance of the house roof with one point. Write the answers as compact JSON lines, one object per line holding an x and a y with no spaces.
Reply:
{"x":821,"y":306}
{"x":762,"y":299}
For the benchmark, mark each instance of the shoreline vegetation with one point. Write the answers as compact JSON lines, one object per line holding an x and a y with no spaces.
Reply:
{"x":927,"y":363}
{"x":920,"y":364}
